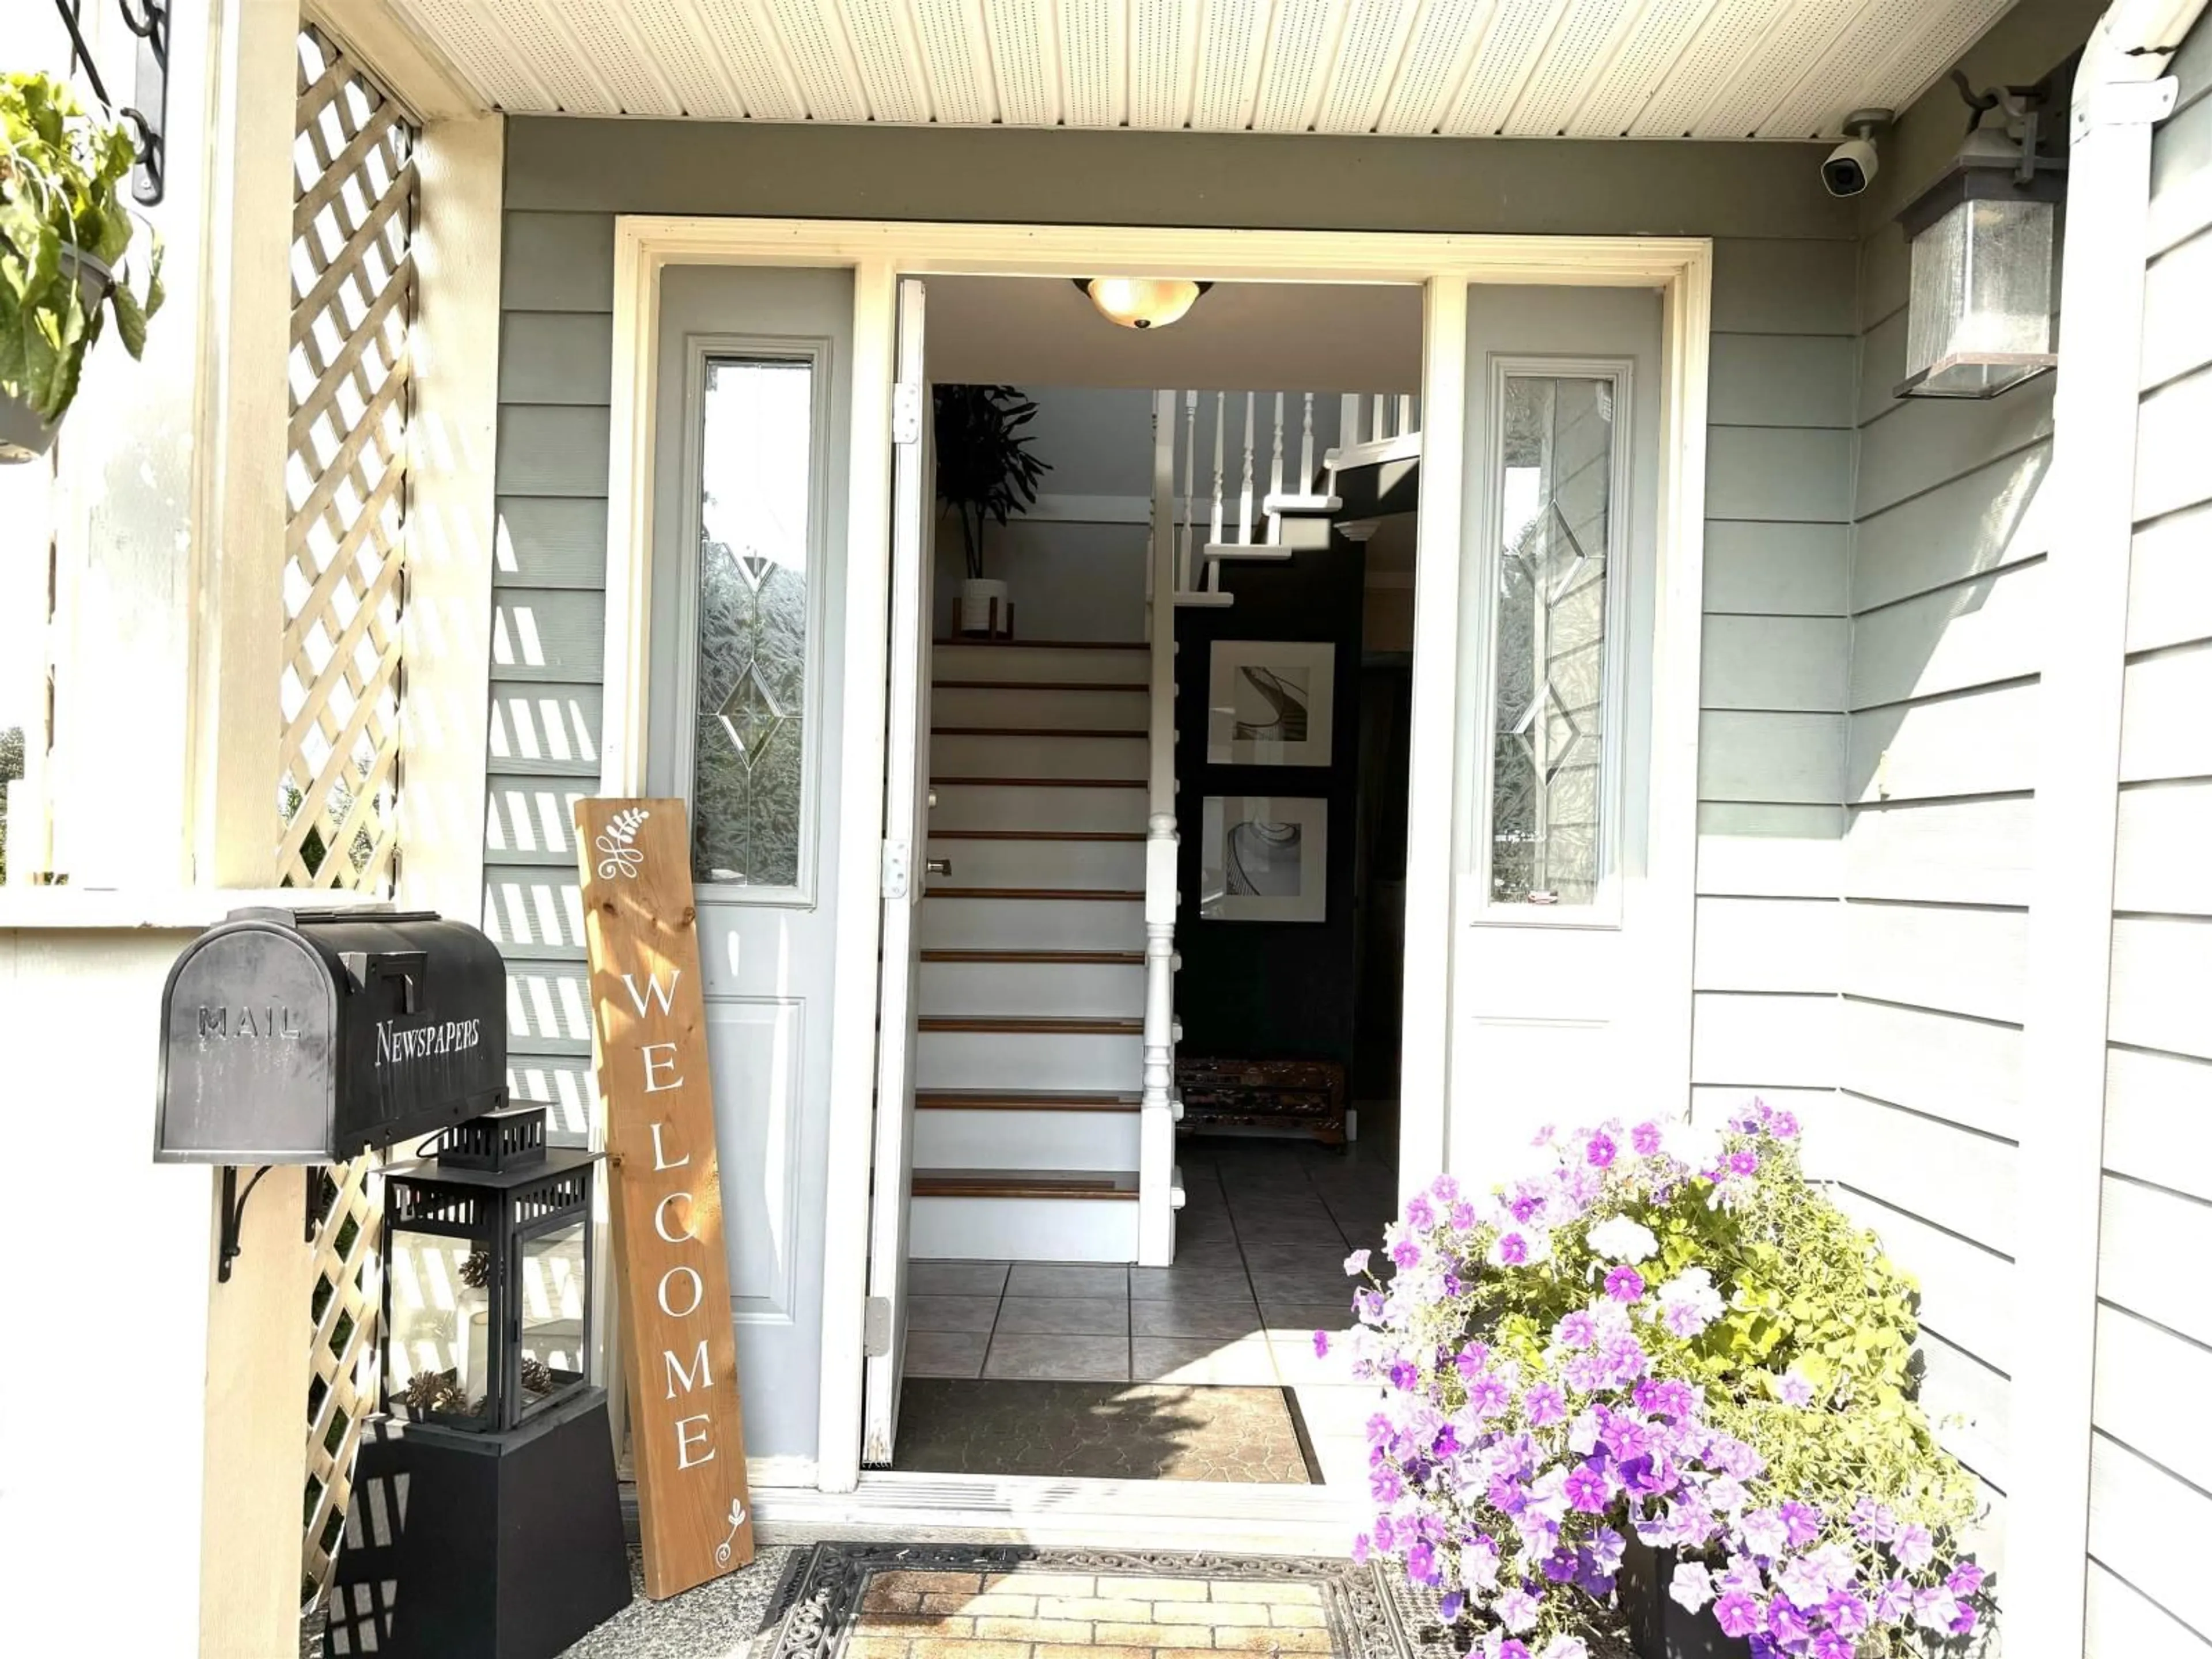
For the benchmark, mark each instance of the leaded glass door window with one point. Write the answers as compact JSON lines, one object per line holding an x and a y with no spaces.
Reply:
{"x":754,"y":606}
{"x":1554,"y":592}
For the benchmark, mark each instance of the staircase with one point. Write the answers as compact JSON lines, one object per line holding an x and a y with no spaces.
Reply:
{"x":1030,"y":995}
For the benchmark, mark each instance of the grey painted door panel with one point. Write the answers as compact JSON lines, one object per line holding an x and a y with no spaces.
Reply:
{"x":766,"y":955}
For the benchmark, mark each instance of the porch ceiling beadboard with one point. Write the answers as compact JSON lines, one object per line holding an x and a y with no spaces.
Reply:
{"x":1581,"y":68}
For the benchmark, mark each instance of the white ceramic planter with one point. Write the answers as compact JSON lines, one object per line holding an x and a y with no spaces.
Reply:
{"x":978,"y":595}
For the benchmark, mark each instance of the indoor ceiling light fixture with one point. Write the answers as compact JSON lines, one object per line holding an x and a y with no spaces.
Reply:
{"x":1142,"y":301}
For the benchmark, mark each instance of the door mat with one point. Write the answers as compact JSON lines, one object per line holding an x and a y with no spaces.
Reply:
{"x":1099,"y":1431}
{"x":1011,"y":1601}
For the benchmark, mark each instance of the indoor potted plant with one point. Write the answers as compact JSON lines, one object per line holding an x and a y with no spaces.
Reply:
{"x":1660,"y":1391}
{"x":984,"y":472}
{"x":64,"y":236}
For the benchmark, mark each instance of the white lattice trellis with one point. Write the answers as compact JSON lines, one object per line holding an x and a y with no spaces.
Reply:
{"x":353,"y":286}
{"x":345,"y":573}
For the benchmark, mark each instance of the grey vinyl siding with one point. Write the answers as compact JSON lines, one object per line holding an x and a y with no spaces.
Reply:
{"x":549,"y":619}
{"x":1779,"y":474}
{"x":1776,"y":661}
{"x":2150,"y":1472}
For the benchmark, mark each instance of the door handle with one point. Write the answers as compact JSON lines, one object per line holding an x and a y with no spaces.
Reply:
{"x":932,"y":800}
{"x":938,"y":867}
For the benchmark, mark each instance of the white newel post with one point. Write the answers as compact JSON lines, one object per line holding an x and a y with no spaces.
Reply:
{"x":1156,"y":1180}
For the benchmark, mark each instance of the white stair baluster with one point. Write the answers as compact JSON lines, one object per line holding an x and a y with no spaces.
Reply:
{"x":1275,"y":476}
{"x":1382,"y":407}
{"x":1184,"y":570}
{"x":1348,"y":420}
{"x":1220,"y":439}
{"x":1244,"y":500}
{"x":1405,"y":415}
{"x":1306,"y":450}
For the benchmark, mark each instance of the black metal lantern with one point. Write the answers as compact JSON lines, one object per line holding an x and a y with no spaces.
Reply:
{"x":488,"y":1275}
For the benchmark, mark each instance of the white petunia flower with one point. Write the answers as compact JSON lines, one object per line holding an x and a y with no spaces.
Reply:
{"x":1622,"y":1240}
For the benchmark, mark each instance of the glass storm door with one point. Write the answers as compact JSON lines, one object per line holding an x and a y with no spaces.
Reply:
{"x":748,"y":474}
{"x":1554,"y":985}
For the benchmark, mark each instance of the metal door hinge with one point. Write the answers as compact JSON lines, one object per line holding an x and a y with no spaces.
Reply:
{"x":876,"y":1328}
{"x":898,"y":868}
{"x":905,"y":413}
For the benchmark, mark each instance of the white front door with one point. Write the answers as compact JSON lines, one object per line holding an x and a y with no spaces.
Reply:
{"x":749,"y":457}
{"x":906,"y":808}
{"x":1569,"y":982}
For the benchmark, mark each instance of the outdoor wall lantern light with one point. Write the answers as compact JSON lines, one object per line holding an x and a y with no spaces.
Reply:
{"x":1142,"y":301}
{"x":1983,"y":240}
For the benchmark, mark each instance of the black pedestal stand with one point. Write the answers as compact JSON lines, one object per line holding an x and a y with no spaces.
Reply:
{"x":463,"y":1546}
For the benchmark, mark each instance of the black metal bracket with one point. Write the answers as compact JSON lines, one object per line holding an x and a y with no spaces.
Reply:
{"x":148,"y":116}
{"x":234,"y":1212}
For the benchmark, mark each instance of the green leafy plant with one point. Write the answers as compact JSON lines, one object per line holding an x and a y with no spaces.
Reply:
{"x":61,"y":202}
{"x":984,"y":467}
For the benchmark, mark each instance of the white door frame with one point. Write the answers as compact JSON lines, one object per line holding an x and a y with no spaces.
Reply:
{"x":878,"y":253}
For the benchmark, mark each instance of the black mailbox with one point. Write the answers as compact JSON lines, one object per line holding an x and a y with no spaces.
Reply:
{"x":308,"y":1037}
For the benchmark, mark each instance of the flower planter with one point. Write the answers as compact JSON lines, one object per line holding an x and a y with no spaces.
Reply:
{"x":985,"y":610}
{"x":1659,"y":1626}
{"x":23,"y":436}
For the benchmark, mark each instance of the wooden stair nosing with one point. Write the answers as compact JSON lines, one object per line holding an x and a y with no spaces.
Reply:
{"x":1036,"y":732}
{"x":1019,"y":1100}
{"x":1036,"y":685}
{"x":1113,"y":895}
{"x":1041,"y":958}
{"x":1047,"y":783}
{"x":1024,"y":1183}
{"x":1036,"y":835}
{"x":1033,"y":1024}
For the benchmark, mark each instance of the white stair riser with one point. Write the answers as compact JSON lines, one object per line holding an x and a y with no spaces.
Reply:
{"x":1037,"y":662}
{"x":1117,"y":865}
{"x":998,"y":806}
{"x":1032,"y":924}
{"x":946,"y":1140}
{"x":1021,"y":1060}
{"x":1109,"y":711}
{"x":1022,"y":1230}
{"x":1051,"y":757}
{"x":1098,"y":990}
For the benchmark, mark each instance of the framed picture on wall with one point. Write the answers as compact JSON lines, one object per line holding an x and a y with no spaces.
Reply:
{"x":1264,"y":858}
{"x":1269,"y":702}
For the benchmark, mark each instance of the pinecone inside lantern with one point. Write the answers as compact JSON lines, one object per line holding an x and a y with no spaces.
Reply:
{"x":429,"y":1392}
{"x":537,"y":1374}
{"x":475,"y":1270}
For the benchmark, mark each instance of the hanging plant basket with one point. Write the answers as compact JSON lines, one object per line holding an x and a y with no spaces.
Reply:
{"x":23,"y":436}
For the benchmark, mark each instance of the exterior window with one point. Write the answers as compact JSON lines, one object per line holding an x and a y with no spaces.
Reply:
{"x":1549,"y":749}
{"x":756,"y":481}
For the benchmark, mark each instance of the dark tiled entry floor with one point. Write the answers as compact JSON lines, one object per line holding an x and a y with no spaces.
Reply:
{"x":1259,"y":1250}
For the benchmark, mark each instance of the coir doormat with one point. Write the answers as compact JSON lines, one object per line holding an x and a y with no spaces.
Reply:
{"x":850,"y":1600}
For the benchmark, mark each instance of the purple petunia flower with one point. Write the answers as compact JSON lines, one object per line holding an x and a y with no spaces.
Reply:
{"x":1487,"y":1396}
{"x":1645,"y":1138}
{"x":1765,"y":1535}
{"x":1511,"y":1250}
{"x":1462,"y":1216}
{"x":1418,"y":1213}
{"x":1405,"y":1376}
{"x":1800,"y":1523}
{"x":1966,"y":1578}
{"x":1421,"y":1564}
{"x":1406,"y":1253}
{"x":1892,"y":1602}
{"x":1445,"y":1189}
{"x":1451,"y":1605}
{"x":1356,"y":1263}
{"x":1385,"y":1485}
{"x":1624,"y":1284}
{"x":1832,"y":1644}
{"x":1320,"y":1344}
{"x":1544,"y":1405}
{"x":1517,"y":1609}
{"x":1743,"y":1162}
{"x":1914,"y":1549}
{"x":1362,"y":1547}
{"x":1782,"y":1126}
{"x":1602,"y":1150}
{"x":1576,"y":1330}
{"x":1738,"y":1614}
{"x":1586,"y":1489}
{"x":1478,"y":1565}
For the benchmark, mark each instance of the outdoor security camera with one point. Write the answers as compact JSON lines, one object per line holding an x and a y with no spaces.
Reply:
{"x":1851,"y":166}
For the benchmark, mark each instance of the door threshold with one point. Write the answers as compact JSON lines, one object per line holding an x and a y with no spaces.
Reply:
{"x":1274,"y":1520}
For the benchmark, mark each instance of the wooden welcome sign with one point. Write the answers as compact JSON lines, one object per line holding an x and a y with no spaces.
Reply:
{"x":680,"y":1351}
